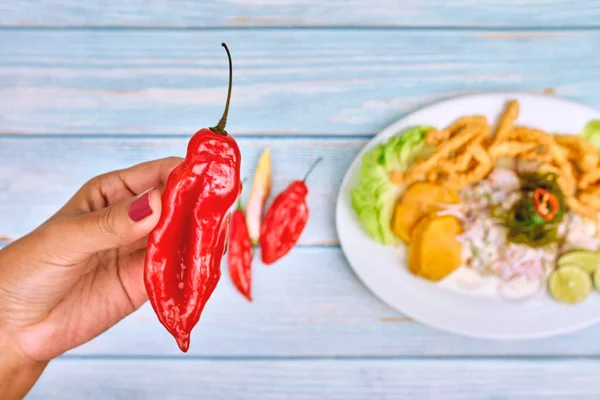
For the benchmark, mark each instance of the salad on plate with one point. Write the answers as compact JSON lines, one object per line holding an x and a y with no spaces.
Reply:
{"x":510,"y":210}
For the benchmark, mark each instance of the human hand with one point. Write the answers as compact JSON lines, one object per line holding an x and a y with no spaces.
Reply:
{"x":81,"y":271}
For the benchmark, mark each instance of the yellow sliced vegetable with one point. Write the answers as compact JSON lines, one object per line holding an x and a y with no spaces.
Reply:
{"x":261,"y":188}
{"x":434,"y":251}
{"x":419,"y":200}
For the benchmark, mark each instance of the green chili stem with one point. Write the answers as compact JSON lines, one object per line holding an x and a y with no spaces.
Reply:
{"x":220,"y":128}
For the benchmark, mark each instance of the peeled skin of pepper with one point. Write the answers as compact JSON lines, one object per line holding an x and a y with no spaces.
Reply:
{"x":261,"y":188}
{"x":434,"y":251}
{"x":419,"y":200}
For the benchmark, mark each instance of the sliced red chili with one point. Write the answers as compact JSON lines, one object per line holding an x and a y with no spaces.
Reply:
{"x":546,"y":203}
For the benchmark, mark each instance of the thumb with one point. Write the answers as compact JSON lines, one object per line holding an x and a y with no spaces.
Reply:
{"x":117,"y":225}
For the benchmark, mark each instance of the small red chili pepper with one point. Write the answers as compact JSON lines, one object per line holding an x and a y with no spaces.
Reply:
{"x":239,"y":256}
{"x":546,"y":203}
{"x":183,"y":258}
{"x":285,"y":220}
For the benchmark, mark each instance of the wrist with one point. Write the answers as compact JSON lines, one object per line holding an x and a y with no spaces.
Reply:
{"x":18,"y":373}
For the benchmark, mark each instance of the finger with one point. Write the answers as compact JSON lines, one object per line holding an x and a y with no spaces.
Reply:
{"x":149,"y":174}
{"x":114,"y":226}
{"x":116,"y":186}
{"x":131,"y":275}
{"x":137,"y":245}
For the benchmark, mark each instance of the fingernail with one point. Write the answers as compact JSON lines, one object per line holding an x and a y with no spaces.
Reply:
{"x":140,"y":208}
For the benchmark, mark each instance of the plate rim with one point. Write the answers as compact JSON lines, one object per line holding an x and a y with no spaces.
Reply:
{"x":395,"y":126}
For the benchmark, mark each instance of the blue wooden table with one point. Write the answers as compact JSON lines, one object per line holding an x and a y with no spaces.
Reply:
{"x":91,"y":86}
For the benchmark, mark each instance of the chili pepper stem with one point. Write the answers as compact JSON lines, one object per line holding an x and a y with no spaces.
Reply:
{"x":220,"y":128}
{"x":312,"y":167}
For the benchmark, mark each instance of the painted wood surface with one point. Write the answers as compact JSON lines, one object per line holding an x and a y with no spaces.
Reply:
{"x":324,"y":379}
{"x":113,"y":83}
{"x":287,"y":82}
{"x":252,"y":13}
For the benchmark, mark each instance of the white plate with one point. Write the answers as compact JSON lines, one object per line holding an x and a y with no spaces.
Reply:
{"x":383,"y":269}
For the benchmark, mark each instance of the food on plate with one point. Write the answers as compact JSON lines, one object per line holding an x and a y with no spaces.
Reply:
{"x":534,"y":218}
{"x":506,"y":122}
{"x":587,"y":260}
{"x":570,"y":284}
{"x":588,"y":264}
{"x":592,"y":133}
{"x":434,"y":251}
{"x":261,"y":188}
{"x":456,"y":161}
{"x":374,"y":198}
{"x":420,"y":200}
{"x":513,"y":203}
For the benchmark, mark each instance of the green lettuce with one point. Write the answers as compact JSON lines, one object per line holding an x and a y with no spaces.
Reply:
{"x":592,"y":132}
{"x":374,"y":198}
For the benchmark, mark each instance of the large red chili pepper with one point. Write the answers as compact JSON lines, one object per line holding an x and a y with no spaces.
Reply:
{"x":285,"y":220}
{"x":239,"y":255}
{"x":184,"y":252}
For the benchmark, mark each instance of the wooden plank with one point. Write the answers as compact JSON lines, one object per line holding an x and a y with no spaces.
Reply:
{"x":251,"y":13}
{"x":38,"y":175}
{"x":286,"y":81}
{"x":320,"y":379}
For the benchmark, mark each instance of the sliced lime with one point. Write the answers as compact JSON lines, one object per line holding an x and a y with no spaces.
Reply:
{"x":589,"y":261}
{"x":569,"y":284}
{"x":596,"y":278}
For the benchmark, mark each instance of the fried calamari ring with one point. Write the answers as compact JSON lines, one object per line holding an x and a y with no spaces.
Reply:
{"x":579,"y":150}
{"x":589,"y":179}
{"x":505,"y":125}
{"x":438,"y":137}
{"x":581,"y":209}
{"x":510,"y":149}
{"x":483,"y":166}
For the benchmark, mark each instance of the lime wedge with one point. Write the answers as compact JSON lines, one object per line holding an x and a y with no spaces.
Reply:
{"x":596,"y":278}
{"x":589,"y":261}
{"x":569,"y":284}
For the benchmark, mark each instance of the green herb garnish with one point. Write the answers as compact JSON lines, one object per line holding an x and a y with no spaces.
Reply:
{"x":523,"y":220}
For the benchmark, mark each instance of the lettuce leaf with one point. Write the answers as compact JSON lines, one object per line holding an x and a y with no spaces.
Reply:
{"x":592,"y":132}
{"x":374,"y":198}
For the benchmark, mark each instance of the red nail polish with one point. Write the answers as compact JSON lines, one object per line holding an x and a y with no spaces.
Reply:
{"x":140,"y":208}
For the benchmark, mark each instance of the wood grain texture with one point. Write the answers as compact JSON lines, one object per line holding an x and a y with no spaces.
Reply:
{"x":115,"y":97}
{"x":251,"y":13}
{"x":285,"y":81}
{"x":327,"y":379}
{"x":38,"y":175}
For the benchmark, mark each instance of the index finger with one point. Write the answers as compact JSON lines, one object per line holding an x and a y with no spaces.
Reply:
{"x":149,"y":174}
{"x":112,"y":187}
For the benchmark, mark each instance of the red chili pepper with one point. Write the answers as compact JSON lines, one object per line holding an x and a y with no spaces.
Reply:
{"x":285,"y":220}
{"x":546,"y":203}
{"x":239,"y":256}
{"x":184,"y":253}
